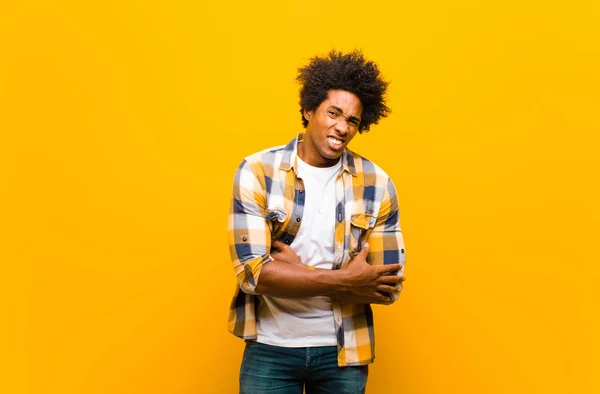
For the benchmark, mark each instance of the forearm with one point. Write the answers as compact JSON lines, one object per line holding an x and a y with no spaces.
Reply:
{"x":349,"y":297}
{"x":280,"y":279}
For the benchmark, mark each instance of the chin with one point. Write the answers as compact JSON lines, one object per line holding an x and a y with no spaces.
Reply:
{"x":331,"y":156}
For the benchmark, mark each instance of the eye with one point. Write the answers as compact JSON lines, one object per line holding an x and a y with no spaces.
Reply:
{"x":332,"y":113}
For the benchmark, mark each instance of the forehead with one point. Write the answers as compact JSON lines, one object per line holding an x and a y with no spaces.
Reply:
{"x":344,"y":100}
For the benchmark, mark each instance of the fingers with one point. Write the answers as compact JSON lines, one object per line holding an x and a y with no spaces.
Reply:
{"x":388,"y":302}
{"x":279,"y":257}
{"x":389,"y":268}
{"x":278,"y":244}
{"x":385,"y":301}
{"x":387,"y":288}
{"x":391,"y":279}
{"x":380,"y":298}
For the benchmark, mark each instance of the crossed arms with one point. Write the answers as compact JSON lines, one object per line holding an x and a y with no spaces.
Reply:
{"x":359,"y":282}
{"x":282,"y":274}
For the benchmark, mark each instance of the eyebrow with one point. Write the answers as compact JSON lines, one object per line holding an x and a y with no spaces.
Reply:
{"x":351,"y":117}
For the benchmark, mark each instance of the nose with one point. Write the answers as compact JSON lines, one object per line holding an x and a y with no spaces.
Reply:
{"x":341,"y":125}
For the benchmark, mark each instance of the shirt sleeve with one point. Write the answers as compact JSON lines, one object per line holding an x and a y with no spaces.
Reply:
{"x":386,"y":243}
{"x":249,"y":236}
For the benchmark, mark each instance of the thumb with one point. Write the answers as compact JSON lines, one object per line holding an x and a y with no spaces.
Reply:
{"x":278,"y":244}
{"x":364,"y":251}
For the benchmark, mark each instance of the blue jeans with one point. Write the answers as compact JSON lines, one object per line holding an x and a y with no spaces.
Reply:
{"x":280,"y":370}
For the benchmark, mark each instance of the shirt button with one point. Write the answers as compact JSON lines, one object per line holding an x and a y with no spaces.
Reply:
{"x":298,"y":220}
{"x":244,"y":239}
{"x":401,"y":250}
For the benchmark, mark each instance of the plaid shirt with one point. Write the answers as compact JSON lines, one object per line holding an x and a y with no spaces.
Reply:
{"x":268,"y":200}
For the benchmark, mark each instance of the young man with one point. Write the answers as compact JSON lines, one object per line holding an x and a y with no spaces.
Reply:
{"x":315,"y":238}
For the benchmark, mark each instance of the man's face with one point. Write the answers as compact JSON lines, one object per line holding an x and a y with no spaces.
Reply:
{"x":330,"y":128}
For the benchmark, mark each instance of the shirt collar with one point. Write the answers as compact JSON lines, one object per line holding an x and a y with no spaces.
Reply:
{"x":290,"y":156}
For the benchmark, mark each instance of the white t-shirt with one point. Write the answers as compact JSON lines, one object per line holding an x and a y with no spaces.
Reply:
{"x":306,"y":322}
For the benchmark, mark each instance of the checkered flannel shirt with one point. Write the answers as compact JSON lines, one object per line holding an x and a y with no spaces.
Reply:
{"x":267,"y":204}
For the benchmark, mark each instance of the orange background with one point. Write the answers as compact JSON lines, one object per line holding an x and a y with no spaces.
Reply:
{"x":122,"y":124}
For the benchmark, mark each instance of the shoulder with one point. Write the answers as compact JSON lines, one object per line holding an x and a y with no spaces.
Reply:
{"x":264,"y":161}
{"x":266,"y":156}
{"x":368,"y":171}
{"x":255,"y":172}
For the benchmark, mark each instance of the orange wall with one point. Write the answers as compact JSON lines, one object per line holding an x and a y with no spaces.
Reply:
{"x":122,"y":124}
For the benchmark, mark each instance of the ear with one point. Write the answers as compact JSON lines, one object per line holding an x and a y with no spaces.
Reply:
{"x":307,"y":114}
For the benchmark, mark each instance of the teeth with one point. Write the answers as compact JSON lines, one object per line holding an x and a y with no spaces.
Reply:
{"x":335,"y":141}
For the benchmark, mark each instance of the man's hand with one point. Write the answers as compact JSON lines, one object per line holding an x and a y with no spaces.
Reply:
{"x":370,"y":281}
{"x":285,"y":254}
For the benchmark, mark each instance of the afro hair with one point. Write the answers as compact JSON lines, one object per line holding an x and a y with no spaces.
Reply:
{"x":350,"y":72}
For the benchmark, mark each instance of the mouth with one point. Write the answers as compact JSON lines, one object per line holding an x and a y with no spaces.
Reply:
{"x":335,"y":143}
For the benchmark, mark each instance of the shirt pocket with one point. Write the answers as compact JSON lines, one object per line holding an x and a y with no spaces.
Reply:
{"x":276,"y":218}
{"x":360,"y":226}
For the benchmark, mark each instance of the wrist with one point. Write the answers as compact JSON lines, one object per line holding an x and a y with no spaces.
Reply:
{"x":342,"y":282}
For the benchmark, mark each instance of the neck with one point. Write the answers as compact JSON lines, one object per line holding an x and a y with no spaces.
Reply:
{"x":310,"y":156}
